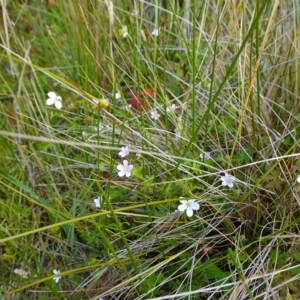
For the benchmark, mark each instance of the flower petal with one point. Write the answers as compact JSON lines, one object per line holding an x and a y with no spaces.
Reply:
{"x":52,"y":95}
{"x":58,"y":104}
{"x":194,"y":205}
{"x":121,"y":173}
{"x":189,"y":212}
{"x":182,"y":207}
{"x":50,"y":101}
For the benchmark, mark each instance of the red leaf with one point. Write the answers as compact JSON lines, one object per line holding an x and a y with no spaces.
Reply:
{"x":105,"y":174}
{"x":148,"y":92}
{"x":141,"y":105}
{"x":134,"y":102}
{"x":11,"y":116}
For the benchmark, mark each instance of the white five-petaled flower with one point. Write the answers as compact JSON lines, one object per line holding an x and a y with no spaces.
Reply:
{"x":298,"y":179}
{"x":173,"y":107}
{"x":118,"y":95}
{"x":56,"y":279}
{"x":21,"y":272}
{"x":124,"y":169}
{"x":154,"y":114}
{"x":98,"y":201}
{"x":54,"y":99}
{"x":124,"y":151}
{"x":228,"y":180}
{"x":124,"y":31}
{"x":156,"y":31}
{"x":205,"y":155}
{"x":189,"y":206}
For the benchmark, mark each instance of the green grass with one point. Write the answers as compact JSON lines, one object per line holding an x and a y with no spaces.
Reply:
{"x":232,"y":71}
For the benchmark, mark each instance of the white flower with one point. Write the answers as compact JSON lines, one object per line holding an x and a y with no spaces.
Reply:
{"x":124,"y":151}
{"x":173,"y":107}
{"x":154,"y":115}
{"x":298,"y":179}
{"x":98,"y":201}
{"x":118,"y":95}
{"x":21,"y":272}
{"x":156,"y":31}
{"x":54,"y":99}
{"x":189,"y":206}
{"x":228,"y":180}
{"x":124,"y":31}
{"x":205,"y":155}
{"x":56,"y":279}
{"x":124,"y":169}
